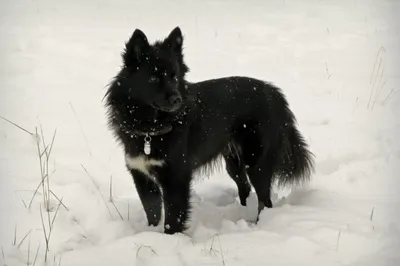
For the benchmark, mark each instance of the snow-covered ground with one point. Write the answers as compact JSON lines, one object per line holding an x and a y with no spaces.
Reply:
{"x":338,"y":64}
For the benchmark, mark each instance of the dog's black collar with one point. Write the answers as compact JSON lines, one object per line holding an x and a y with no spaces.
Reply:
{"x":164,"y":130}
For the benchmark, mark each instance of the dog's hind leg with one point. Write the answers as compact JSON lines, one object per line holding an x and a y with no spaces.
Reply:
{"x":236,"y":170}
{"x":150,"y":196}
{"x":257,"y":163}
{"x":259,"y":167}
{"x":260,"y":176}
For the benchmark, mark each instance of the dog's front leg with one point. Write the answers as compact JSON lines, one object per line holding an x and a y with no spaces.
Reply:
{"x":176,"y":193}
{"x":150,"y":196}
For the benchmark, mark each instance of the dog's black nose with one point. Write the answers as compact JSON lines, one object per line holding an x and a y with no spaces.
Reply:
{"x":175,"y":100}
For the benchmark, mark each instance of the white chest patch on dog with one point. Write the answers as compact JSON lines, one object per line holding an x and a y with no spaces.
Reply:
{"x":142,"y":163}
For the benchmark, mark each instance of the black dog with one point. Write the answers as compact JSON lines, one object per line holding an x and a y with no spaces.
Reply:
{"x":170,"y":128}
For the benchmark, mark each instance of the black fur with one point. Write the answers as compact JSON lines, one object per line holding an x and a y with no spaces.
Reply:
{"x":244,"y":120}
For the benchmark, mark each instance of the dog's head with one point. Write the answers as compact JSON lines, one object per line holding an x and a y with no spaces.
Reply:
{"x":153,"y":74}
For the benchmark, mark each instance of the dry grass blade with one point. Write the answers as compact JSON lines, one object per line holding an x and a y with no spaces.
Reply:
{"x":15,"y":235}
{"x":222,"y":252}
{"x":376,"y":61}
{"x":46,"y":167}
{"x":374,"y":83}
{"x":81,"y":128}
{"x":143,"y":246}
{"x":48,"y":218}
{"x":355,"y":105}
{"x":113,"y":203}
{"x":59,"y":261}
{"x":18,"y":126}
{"x":44,"y":228}
{"x":29,"y":252}
{"x":214,"y":251}
{"x":376,"y":78}
{"x":338,"y":239}
{"x":392,"y":91}
{"x":328,"y":75}
{"x":111,"y":196}
{"x":36,"y":191}
{"x":65,"y":207}
{"x":48,"y":148}
{"x":44,"y":151}
{"x":23,"y":239}
{"x":98,"y":189}
{"x":42,"y":175}
{"x":52,"y":142}
{"x":50,"y":229}
{"x":379,"y":90}
{"x":4,"y":257}
{"x":43,"y":141}
{"x":372,"y":214}
{"x":36,"y":256}
{"x":212,"y":245}
{"x":55,"y":215}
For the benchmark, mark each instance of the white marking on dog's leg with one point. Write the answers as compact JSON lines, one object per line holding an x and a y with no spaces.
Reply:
{"x":142,"y":164}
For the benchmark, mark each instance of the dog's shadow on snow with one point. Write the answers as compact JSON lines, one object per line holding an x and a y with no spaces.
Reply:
{"x":217,"y":210}
{"x":221,"y":205}
{"x":211,"y":210}
{"x":220,"y":208}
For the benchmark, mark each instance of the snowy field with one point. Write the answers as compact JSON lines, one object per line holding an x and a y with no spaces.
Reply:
{"x":338,"y":63}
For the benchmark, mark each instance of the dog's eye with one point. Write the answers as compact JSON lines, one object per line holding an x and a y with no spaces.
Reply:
{"x":153,"y":79}
{"x":174,"y":77}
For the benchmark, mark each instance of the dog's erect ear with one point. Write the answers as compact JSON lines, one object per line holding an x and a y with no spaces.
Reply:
{"x":136,"y":47}
{"x":175,"y":40}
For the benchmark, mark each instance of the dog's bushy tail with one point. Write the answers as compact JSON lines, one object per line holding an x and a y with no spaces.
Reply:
{"x":296,"y":161}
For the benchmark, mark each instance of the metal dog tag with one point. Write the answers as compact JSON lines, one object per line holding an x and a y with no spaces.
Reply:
{"x":147,"y":145}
